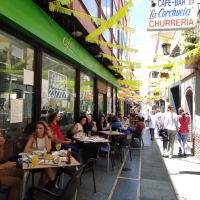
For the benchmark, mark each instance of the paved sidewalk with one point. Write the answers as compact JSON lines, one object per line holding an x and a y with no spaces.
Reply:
{"x":168,"y":179}
{"x":148,"y":176}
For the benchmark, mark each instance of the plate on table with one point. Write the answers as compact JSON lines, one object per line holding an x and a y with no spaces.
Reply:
{"x":63,"y":153}
{"x":48,"y":162}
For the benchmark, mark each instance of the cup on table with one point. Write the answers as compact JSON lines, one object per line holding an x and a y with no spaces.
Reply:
{"x":35,"y":160}
{"x":89,"y":133}
{"x":58,"y":146}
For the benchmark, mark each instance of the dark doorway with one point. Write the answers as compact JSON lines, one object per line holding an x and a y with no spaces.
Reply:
{"x":175,"y":97}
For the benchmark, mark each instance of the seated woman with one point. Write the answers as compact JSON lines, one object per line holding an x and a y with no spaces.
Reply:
{"x":125,"y":121}
{"x":140,"y":125}
{"x":9,"y":175}
{"x":116,"y":125}
{"x":102,"y":125}
{"x":80,"y":128}
{"x":41,"y":140}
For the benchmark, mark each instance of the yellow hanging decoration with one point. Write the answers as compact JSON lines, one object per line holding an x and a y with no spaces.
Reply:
{"x":111,"y":21}
{"x":56,"y":6}
{"x":169,"y":39}
{"x":114,"y":45}
{"x":123,"y":67}
{"x":166,"y":65}
{"x":136,"y":65}
{"x":64,"y":2}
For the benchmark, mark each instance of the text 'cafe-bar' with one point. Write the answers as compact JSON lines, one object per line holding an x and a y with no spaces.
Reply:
{"x":171,"y":14}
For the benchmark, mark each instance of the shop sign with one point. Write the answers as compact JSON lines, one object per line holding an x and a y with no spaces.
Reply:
{"x":68,"y":43}
{"x":171,"y":14}
{"x":57,"y":85}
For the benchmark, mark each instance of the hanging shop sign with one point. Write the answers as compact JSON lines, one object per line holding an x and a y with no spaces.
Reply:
{"x":171,"y":14}
{"x":57,"y":85}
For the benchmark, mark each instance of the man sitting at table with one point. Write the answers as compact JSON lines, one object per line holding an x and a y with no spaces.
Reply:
{"x":91,"y":125}
{"x":140,"y":125}
{"x":9,"y":175}
{"x":58,"y":137}
{"x":116,"y":125}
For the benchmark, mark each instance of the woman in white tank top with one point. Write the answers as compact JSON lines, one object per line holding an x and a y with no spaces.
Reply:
{"x":78,"y":129}
{"x":41,"y":140}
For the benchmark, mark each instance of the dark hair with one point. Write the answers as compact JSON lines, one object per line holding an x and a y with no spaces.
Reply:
{"x":114,"y":119}
{"x":140,"y":119}
{"x":104,"y":123}
{"x":52,"y":116}
{"x":85,"y":126}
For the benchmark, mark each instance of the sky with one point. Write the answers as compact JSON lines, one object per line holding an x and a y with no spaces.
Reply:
{"x":142,"y":39}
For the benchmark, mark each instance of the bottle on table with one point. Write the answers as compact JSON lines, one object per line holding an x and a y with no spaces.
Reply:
{"x":68,"y":156}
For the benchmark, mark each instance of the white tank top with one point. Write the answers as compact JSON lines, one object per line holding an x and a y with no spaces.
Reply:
{"x":41,"y":144}
{"x":80,"y":127}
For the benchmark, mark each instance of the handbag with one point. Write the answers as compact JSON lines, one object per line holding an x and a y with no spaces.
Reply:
{"x":163,"y":133}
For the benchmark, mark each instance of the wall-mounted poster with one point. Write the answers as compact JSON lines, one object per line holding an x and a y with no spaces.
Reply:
{"x":57,"y":85}
{"x":16,"y":110}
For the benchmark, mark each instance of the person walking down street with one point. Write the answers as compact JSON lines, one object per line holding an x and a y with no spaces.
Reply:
{"x":184,"y":121}
{"x":9,"y":175}
{"x":172,"y":126}
{"x":152,"y":123}
{"x":158,"y":120}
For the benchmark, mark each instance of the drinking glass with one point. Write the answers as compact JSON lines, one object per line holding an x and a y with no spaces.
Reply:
{"x":58,"y":146}
{"x":35,"y":160}
{"x":89,"y":133}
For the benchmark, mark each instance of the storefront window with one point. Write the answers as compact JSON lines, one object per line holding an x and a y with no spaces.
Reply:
{"x":105,"y":6}
{"x":115,"y":51}
{"x":16,"y":86}
{"x":114,"y":100}
{"x":107,"y":36}
{"x":58,"y":90}
{"x":86,"y":94}
{"x":91,"y":7}
{"x":100,"y":104}
{"x":109,"y":100}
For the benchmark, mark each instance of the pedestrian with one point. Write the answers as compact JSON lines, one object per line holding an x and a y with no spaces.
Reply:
{"x":158,"y":120}
{"x":184,"y":121}
{"x":152,"y":123}
{"x":171,"y":125}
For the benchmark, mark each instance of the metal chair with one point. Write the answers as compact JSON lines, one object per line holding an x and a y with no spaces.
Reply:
{"x":124,"y":143}
{"x":87,"y":157}
{"x":139,"y":137}
{"x":50,"y":192}
{"x":104,"y":149}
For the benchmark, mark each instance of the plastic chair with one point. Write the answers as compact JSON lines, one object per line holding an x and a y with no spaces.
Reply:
{"x":125,"y":142}
{"x":50,"y":192}
{"x":139,"y":137}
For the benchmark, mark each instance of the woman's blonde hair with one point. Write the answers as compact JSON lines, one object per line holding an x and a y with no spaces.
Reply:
{"x":47,"y":130}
